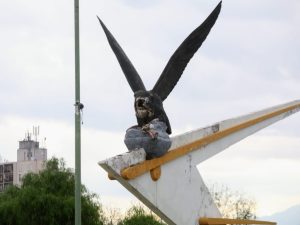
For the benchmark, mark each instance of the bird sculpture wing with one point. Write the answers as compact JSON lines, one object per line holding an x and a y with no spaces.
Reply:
{"x":181,"y":57}
{"x":130,"y":72}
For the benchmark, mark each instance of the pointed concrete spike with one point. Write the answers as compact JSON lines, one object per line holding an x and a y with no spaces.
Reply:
{"x":275,"y":114}
{"x":180,"y":196}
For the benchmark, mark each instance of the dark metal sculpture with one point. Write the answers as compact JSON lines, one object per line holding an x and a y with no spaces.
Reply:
{"x":149,"y":104}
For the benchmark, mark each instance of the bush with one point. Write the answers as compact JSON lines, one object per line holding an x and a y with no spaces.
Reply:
{"x":48,"y":198}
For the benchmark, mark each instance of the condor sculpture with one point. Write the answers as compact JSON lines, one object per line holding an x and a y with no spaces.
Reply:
{"x":153,"y":127}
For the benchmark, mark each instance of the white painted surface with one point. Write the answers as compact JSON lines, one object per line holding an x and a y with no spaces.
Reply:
{"x":180,"y":195}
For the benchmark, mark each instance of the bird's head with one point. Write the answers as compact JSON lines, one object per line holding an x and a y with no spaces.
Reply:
{"x":147,"y":105}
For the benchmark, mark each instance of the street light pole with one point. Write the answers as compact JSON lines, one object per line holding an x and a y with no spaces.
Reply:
{"x":78,"y":108}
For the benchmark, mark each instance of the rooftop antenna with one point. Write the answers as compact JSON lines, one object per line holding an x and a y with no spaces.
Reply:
{"x":35,"y":132}
{"x":44,"y":143}
{"x":28,"y":136}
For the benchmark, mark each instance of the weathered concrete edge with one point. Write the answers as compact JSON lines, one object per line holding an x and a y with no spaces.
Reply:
{"x":135,"y":192}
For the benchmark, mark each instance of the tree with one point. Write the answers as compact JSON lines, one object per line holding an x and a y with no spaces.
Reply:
{"x":233,"y":204}
{"x":48,"y":198}
{"x":138,"y":216}
{"x":113,"y":215}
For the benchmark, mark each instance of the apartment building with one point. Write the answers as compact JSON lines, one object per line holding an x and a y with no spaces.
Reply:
{"x":30,"y":158}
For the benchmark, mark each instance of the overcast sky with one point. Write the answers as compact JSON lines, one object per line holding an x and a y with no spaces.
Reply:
{"x":249,"y":61}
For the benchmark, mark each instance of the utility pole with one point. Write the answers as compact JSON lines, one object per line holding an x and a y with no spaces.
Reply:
{"x":78,"y":108}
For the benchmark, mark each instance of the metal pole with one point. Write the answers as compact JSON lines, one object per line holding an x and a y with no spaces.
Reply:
{"x":78,"y":107}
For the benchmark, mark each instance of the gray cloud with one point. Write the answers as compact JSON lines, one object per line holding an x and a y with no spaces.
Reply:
{"x":250,"y":51}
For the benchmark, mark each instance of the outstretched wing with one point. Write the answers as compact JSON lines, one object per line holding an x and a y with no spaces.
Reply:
{"x":181,"y":57}
{"x":131,"y":74}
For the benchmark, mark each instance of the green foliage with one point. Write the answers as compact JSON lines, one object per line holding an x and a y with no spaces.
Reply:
{"x":138,"y":216}
{"x":48,"y":198}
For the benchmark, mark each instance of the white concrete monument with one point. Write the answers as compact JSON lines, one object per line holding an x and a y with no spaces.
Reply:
{"x":172,"y":186}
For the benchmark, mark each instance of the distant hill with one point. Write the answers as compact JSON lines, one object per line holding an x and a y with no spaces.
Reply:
{"x":291,"y":216}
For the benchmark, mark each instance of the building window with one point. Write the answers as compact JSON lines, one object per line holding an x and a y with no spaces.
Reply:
{"x":1,"y":178}
{"x":8,"y":168}
{"x":20,"y":177}
{"x":8,"y":177}
{"x":1,"y":169}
